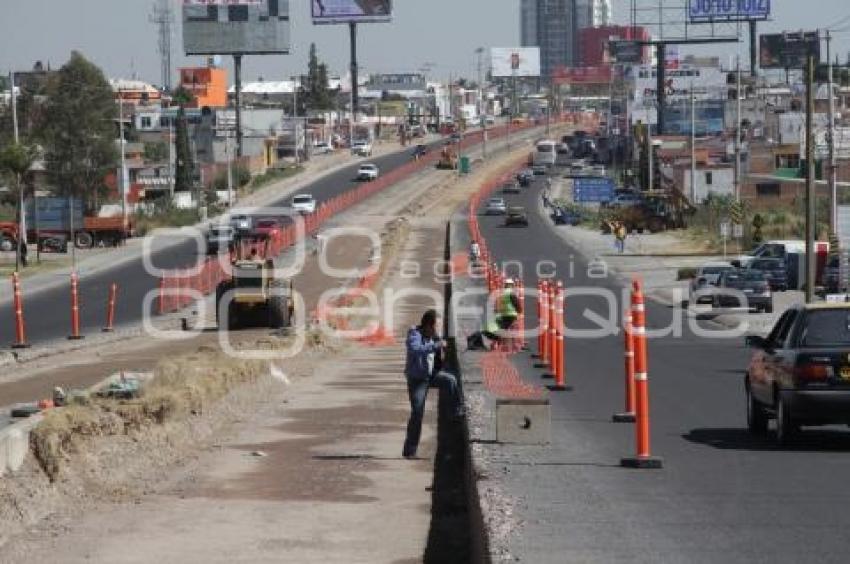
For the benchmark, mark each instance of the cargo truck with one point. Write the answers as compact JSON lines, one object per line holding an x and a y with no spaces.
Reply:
{"x":52,"y":217}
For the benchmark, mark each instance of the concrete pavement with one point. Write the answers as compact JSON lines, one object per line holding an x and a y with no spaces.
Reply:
{"x":723,"y":494}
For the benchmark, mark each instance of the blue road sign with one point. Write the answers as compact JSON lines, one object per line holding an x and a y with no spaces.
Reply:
{"x":593,"y":190}
{"x":701,"y":11}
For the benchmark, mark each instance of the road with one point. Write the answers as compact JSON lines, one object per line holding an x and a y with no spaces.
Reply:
{"x":723,"y":495}
{"x":48,"y":312}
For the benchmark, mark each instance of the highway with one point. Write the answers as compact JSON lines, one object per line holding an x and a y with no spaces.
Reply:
{"x":722,"y":496}
{"x":47,"y":313}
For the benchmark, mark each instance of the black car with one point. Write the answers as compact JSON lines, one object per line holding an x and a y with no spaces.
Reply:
{"x":743,"y":288}
{"x":516,"y":216}
{"x":512,"y":187}
{"x":420,"y":151}
{"x":832,"y":276}
{"x":774,"y":270}
{"x":525,"y":178}
{"x":800,"y":373}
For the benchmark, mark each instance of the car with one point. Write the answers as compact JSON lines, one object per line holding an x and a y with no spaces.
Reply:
{"x":832,"y":276}
{"x":361,"y":148}
{"x":420,"y":151}
{"x":220,"y":238}
{"x":304,"y":204}
{"x":626,"y":200}
{"x":565,"y":216}
{"x":496,"y":206}
{"x":538,"y":170}
{"x":771,"y":249}
{"x":490,"y":120}
{"x":266,"y":228}
{"x":322,"y":148}
{"x":774,"y":270}
{"x":800,"y":373}
{"x":707,"y":276}
{"x":511,"y":187}
{"x":516,"y":216}
{"x":738,"y":283}
{"x":525,"y":177}
{"x":456,"y":137}
{"x":368,"y":172}
{"x":242,"y":224}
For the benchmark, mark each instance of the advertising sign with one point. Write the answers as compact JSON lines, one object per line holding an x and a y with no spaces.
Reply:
{"x":626,"y":52}
{"x":515,"y":61}
{"x":348,"y":11}
{"x":707,"y":83}
{"x":225,"y":27}
{"x":703,"y":11}
{"x":788,"y":50}
{"x":593,"y":190}
{"x":708,"y":117}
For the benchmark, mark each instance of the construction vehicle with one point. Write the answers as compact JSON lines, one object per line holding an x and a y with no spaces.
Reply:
{"x":448,"y":159}
{"x":658,"y":211}
{"x":254,"y":296}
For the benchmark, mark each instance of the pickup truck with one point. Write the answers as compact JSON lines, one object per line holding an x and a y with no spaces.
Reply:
{"x":361,"y":148}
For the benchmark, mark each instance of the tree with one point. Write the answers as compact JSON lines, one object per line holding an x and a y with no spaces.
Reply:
{"x":316,"y":95}
{"x":15,"y":161}
{"x":79,"y":132}
{"x":184,"y":165}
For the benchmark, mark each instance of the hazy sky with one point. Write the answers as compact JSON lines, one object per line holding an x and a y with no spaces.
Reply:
{"x":117,"y":35}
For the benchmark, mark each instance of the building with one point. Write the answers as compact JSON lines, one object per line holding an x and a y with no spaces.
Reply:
{"x":208,"y":86}
{"x":593,"y":43}
{"x":550,"y":25}
{"x":135,"y":92}
{"x":593,"y":13}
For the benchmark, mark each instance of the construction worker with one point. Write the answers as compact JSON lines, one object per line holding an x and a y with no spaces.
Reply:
{"x":508,"y":308}
{"x":474,"y":253}
{"x":620,"y":234}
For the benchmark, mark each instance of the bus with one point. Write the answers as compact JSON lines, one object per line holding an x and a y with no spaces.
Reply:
{"x":544,"y":153}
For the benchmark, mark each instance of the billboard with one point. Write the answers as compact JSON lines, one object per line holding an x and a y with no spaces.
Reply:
{"x":705,"y":11}
{"x":630,"y":52}
{"x":515,"y":61}
{"x":707,"y":83}
{"x":788,"y":50}
{"x":348,"y":11}
{"x":709,"y":118}
{"x":593,"y":190}
{"x":227,"y":27}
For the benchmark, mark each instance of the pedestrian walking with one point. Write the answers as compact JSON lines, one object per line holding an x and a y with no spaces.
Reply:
{"x":423,"y":370}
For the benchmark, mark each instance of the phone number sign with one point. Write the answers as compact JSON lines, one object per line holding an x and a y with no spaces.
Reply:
{"x":701,"y":11}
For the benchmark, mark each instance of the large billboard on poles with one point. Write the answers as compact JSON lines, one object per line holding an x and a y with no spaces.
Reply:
{"x":226,"y":27}
{"x":347,"y":11}
{"x":515,"y":61}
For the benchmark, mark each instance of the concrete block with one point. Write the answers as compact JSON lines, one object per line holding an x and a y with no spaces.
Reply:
{"x":15,"y":444}
{"x":523,"y":421}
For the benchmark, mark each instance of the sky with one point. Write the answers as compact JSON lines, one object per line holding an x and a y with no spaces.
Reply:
{"x":117,"y":35}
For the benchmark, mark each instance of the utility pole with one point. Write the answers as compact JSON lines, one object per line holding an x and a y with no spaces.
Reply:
{"x":355,"y":95}
{"x":237,"y":68}
{"x":296,"y":134}
{"x":171,"y":157}
{"x":22,"y":224}
{"x":230,"y":197}
{"x":833,"y":171}
{"x":650,"y":176}
{"x":693,"y":146}
{"x":810,"y":180}
{"x":122,"y":183}
{"x":738,"y":128}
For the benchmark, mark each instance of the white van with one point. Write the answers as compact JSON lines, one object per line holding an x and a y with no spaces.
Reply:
{"x":772,"y":249}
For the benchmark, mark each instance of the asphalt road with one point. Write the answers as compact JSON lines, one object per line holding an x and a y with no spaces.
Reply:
{"x":48,"y":314}
{"x":722,"y":496}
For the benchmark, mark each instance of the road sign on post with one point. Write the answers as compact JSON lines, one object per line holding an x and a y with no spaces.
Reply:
{"x":724,"y":230}
{"x":738,"y":231}
{"x":593,"y":190}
